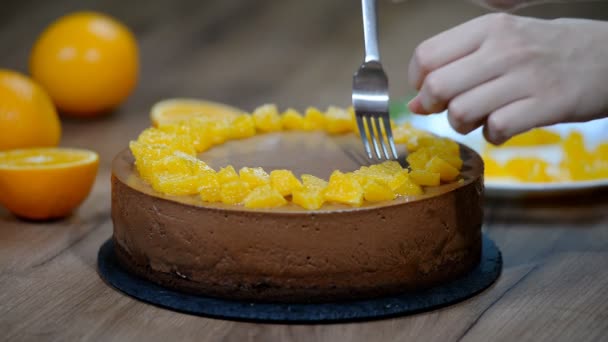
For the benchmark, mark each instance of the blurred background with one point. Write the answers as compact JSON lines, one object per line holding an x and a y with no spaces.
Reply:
{"x":245,"y":53}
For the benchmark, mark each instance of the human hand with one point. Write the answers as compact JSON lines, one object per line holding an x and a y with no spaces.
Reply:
{"x":511,"y":74}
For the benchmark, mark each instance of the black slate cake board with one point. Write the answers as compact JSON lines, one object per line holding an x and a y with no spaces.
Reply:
{"x":443,"y":295}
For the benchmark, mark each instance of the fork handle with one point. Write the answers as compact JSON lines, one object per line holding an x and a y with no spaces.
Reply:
{"x":370,"y":30}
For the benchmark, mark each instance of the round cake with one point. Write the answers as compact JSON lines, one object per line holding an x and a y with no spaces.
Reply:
{"x":290,"y":254}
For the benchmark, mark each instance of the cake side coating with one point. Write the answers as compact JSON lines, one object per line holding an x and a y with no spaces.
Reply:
{"x":299,"y":256}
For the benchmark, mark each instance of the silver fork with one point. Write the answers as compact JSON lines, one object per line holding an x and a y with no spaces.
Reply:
{"x":370,"y":92}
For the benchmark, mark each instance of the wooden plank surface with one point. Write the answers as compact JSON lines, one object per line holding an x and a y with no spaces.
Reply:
{"x":295,"y":53}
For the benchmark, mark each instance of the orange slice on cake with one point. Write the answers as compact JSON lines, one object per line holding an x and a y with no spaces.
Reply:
{"x":175,"y":110}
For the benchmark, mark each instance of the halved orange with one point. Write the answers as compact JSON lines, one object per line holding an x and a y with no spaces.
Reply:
{"x":46,"y":183}
{"x":174,"y":110}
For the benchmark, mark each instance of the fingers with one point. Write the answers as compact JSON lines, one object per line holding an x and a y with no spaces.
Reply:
{"x":518,"y":117}
{"x":503,"y":72}
{"x":466,"y":111}
{"x":444,"y":48}
{"x":443,"y":84}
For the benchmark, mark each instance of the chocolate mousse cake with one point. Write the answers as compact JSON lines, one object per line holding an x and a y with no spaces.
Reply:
{"x":290,"y":254}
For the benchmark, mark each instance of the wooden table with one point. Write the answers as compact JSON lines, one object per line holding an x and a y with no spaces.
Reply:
{"x":295,"y":53}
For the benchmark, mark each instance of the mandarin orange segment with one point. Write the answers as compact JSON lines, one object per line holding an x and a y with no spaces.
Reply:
{"x":210,"y":187}
{"x":254,"y":176}
{"x":408,"y":188}
{"x":311,"y":181}
{"x":446,"y":149}
{"x":218,"y":131}
{"x":202,"y":132}
{"x":418,"y":159}
{"x":574,"y":145}
{"x":425,"y":178}
{"x":402,"y":133}
{"x":528,"y":169}
{"x":267,"y":118}
{"x":362,"y":175}
{"x":392,"y":166}
{"x":176,"y":185}
{"x":167,"y":165}
{"x":447,"y":172}
{"x":410,"y":136}
{"x":440,"y":144}
{"x":453,"y":160}
{"x":143,"y":151}
{"x":284,"y":182}
{"x":182,"y":163}
{"x":292,"y":120}
{"x":398,"y":179}
{"x":374,"y":172}
{"x":196,"y":165}
{"x":155,"y":136}
{"x":242,"y":127}
{"x":383,"y":173}
{"x":575,"y":170}
{"x":178,"y":129}
{"x":344,"y":188}
{"x":264,"y":197}
{"x":227,"y":174}
{"x":377,"y":192}
{"x":206,"y":133}
{"x":309,"y":198}
{"x":234,"y":192}
{"x":46,"y":183}
{"x":147,"y":169}
{"x":596,"y":170}
{"x":196,"y":129}
{"x":338,"y":121}
{"x":423,"y":155}
{"x":578,"y":161}
{"x":492,"y":168}
{"x":601,"y":151}
{"x":314,"y":119}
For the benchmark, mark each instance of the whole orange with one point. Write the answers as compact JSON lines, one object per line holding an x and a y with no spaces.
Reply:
{"x":27,"y":115}
{"x":88,"y":62}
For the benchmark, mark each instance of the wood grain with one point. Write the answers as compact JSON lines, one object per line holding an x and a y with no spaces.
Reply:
{"x":294,"y":53}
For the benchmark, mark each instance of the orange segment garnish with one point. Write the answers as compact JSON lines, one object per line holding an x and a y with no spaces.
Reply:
{"x":176,"y":110}
{"x":165,"y":157}
{"x":46,"y":183}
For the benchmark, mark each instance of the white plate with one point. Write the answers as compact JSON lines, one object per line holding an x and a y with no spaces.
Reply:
{"x":513,"y":188}
{"x":594,"y":132}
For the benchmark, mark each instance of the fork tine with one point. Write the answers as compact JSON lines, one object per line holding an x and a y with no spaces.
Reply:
{"x":389,"y":135}
{"x":378,"y":121}
{"x":363,"y":133}
{"x":374,"y":136}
